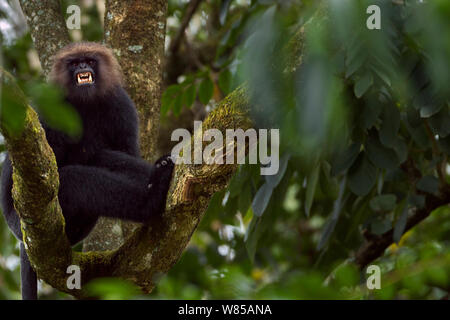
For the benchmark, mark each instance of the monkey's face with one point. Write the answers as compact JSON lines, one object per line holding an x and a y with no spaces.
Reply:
{"x":82,"y":71}
{"x":83,"y":80}
{"x":86,"y":71}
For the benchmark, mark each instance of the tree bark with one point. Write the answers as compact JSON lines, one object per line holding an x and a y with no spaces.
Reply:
{"x":135,"y":30}
{"x":47,"y":27}
{"x":35,"y":194}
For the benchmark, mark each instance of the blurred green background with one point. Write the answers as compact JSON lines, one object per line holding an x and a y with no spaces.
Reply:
{"x":361,"y":104}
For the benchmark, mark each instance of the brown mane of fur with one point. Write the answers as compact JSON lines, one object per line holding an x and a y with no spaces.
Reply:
{"x":109,"y":71}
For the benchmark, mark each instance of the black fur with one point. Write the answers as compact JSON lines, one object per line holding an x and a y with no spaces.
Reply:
{"x":101,"y":174}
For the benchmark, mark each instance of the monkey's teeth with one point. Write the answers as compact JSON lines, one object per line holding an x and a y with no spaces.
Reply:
{"x":85,"y":77}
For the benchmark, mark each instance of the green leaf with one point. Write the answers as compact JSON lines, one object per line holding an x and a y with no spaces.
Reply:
{"x":229,"y":210}
{"x":346,"y":159}
{"x":333,"y":219}
{"x":380,"y":226}
{"x":438,"y":276}
{"x":429,"y":110}
{"x":252,"y":236}
{"x":347,"y":275}
{"x":363,"y":84}
{"x":238,"y":180}
{"x":369,"y":114}
{"x":168,"y":98}
{"x":50,"y":103}
{"x":224,"y":6}
{"x":440,"y":123}
{"x":261,"y":199}
{"x":382,"y":75}
{"x":401,"y":149}
{"x":205,"y":90}
{"x":112,"y":289}
{"x":390,"y":126}
{"x":428,"y":184}
{"x":362,"y":176}
{"x":383,"y":203}
{"x":400,"y":225}
{"x":355,"y":58}
{"x":354,"y":66}
{"x":419,"y":135}
{"x":416,"y":200}
{"x":225,"y":78}
{"x":381,"y":156}
{"x":386,"y":292}
{"x":311,"y":188}
{"x":413,"y":116}
{"x":275,"y":179}
{"x":245,"y":198}
{"x":254,"y":232}
{"x":215,"y":204}
{"x":189,"y":95}
{"x":13,"y":108}
{"x":177,"y":104}
{"x":257,"y":227}
{"x":444,"y":144}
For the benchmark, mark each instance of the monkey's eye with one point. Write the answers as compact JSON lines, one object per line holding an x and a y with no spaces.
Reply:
{"x":73,"y":63}
{"x":91,"y":63}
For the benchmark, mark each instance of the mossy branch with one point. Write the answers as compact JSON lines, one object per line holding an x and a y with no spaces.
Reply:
{"x":35,"y":194}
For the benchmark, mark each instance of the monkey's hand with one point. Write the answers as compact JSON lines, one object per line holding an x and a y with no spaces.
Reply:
{"x":159,"y":181}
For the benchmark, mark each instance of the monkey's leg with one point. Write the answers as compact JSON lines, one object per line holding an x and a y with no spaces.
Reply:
{"x":28,"y":277}
{"x":116,"y":161}
{"x":87,"y":193}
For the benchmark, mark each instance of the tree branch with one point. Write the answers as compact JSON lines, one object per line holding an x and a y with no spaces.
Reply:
{"x":47,"y":27}
{"x":35,"y":194}
{"x":376,"y":246}
{"x":190,"y":10}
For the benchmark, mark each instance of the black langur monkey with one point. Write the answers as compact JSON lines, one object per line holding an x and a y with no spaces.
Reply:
{"x":102,"y":173}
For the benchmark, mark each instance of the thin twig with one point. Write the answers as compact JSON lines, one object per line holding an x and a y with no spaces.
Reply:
{"x":176,"y":42}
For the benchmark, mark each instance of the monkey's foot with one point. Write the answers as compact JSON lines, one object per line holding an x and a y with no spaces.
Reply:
{"x":161,"y":174}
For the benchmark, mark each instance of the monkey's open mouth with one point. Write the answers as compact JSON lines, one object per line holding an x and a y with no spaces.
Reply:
{"x":84,"y":78}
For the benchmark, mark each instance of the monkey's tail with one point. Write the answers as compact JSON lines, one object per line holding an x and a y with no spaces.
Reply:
{"x":28,"y":276}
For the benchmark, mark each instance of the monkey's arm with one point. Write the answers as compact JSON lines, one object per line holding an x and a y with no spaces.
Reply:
{"x":126,"y":126}
{"x":58,"y":141}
